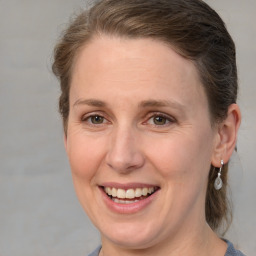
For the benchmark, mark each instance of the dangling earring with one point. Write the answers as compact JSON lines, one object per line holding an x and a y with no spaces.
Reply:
{"x":218,"y":181}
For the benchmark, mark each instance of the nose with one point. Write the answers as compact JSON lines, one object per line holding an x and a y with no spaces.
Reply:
{"x":124,"y":154}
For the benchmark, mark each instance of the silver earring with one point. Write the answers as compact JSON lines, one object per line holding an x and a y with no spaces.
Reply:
{"x":218,"y":181}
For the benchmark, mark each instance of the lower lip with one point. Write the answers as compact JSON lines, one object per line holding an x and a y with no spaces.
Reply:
{"x":128,"y":208}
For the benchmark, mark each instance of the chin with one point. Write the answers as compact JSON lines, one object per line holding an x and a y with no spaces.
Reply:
{"x":131,"y":236}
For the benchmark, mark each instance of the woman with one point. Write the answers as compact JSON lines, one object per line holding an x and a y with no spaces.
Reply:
{"x":148,"y":100}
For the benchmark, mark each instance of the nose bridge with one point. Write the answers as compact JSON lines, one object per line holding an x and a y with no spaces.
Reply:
{"x":124,"y":153}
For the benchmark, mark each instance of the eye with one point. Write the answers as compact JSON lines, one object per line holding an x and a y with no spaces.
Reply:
{"x":160,"y":120}
{"x":96,"y":119}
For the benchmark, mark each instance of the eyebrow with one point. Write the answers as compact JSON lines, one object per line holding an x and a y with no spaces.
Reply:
{"x":90,"y":102}
{"x":143,"y":104}
{"x":161,"y":103}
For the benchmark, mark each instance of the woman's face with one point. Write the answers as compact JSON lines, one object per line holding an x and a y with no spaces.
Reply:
{"x":139,"y":141}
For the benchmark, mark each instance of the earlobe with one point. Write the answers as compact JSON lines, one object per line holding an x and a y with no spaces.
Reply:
{"x":227,"y":136}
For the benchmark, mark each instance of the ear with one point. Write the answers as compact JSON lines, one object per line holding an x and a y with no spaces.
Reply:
{"x":226,"y":136}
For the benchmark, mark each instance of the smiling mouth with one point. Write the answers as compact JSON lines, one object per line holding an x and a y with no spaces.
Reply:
{"x":129,"y":196}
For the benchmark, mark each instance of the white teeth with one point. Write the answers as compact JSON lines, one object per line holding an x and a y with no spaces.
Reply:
{"x":121,"y":193}
{"x":144,"y":191}
{"x":108,"y":190}
{"x":138,"y":192}
{"x":124,"y":201}
{"x":129,"y":193}
{"x":114,"y":191}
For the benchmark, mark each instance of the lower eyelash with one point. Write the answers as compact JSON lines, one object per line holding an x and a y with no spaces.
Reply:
{"x":168,"y":118}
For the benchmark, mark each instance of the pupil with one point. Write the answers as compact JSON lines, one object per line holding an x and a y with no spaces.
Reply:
{"x":160,"y":120}
{"x":97,"y":119}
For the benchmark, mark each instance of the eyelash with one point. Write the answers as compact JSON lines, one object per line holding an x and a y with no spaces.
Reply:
{"x":168,"y":120}
{"x":88,"y":119}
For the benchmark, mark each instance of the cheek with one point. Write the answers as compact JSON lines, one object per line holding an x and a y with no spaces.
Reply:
{"x":182,"y":157}
{"x":85,"y":156}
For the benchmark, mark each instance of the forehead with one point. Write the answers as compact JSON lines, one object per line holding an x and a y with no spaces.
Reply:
{"x":101,"y":51}
{"x":113,"y":64}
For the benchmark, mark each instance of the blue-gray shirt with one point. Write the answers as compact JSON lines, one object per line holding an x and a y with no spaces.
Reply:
{"x":231,"y":251}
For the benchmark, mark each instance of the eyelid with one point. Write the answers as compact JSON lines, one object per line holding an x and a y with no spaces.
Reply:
{"x":87,"y":116}
{"x":169,"y":118}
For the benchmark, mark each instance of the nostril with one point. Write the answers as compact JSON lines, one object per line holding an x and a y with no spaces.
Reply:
{"x":123,"y":167}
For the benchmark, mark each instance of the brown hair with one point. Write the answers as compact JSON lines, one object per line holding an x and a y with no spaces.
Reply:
{"x":192,"y":29}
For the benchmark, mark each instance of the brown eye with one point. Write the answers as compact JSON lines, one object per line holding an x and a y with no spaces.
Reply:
{"x":160,"y":120}
{"x":96,"y":119}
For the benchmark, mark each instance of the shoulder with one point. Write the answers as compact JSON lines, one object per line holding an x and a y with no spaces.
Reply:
{"x":95,"y":252}
{"x":231,"y":251}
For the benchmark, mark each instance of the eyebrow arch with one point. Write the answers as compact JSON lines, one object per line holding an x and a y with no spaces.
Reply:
{"x":90,"y":102}
{"x":143,"y":104}
{"x":160,"y":103}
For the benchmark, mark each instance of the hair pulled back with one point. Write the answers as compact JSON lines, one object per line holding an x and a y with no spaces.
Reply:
{"x":192,"y":29}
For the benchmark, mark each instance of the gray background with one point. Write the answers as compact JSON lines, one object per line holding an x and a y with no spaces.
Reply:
{"x":39,"y":212}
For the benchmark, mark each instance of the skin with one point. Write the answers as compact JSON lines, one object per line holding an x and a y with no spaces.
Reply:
{"x":117,"y":83}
